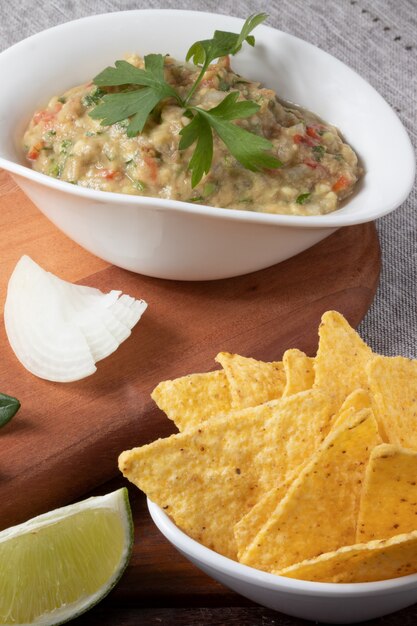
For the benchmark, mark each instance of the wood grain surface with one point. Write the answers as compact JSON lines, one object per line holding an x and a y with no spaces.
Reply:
{"x":67,"y":437}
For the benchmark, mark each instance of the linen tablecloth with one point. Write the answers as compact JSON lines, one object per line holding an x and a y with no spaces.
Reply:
{"x":378,"y":39}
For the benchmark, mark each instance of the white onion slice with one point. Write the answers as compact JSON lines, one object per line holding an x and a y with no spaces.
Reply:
{"x":59,"y":330}
{"x":128,"y":312}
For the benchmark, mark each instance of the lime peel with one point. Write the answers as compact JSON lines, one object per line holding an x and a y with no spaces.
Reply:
{"x":58,"y":565}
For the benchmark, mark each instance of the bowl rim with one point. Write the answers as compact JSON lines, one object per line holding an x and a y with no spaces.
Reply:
{"x":329,"y":220}
{"x":247,"y":574}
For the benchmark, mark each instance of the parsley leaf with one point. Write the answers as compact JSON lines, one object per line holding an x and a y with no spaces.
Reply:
{"x":229,"y":109}
{"x":138,"y":103}
{"x":247,"y":148}
{"x":205,"y":51}
{"x":143,"y":89}
{"x":125,"y":73}
{"x":252,"y":22}
{"x":223,"y":43}
{"x":198,"y":130}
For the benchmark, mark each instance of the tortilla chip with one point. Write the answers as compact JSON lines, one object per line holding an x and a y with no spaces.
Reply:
{"x":207,"y":479}
{"x":193,"y":399}
{"x":320,"y":510}
{"x":361,"y":563}
{"x":248,"y":527}
{"x":357,"y":400}
{"x":393,"y":384}
{"x":341,"y":358}
{"x":252,"y":382}
{"x":389,"y":497}
{"x":299,"y":372}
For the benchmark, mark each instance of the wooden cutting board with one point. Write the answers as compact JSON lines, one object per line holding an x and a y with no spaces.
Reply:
{"x":66,"y":438}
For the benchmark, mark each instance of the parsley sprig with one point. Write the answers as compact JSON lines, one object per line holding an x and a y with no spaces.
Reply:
{"x":247,"y":148}
{"x":223,"y":43}
{"x":144,"y":89}
{"x":138,"y":103}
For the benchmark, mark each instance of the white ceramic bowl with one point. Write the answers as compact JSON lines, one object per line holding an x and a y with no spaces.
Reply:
{"x":179,"y":240}
{"x":322,"y":602}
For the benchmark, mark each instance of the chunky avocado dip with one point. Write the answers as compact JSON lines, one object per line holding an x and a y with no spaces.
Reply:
{"x":317,"y":169}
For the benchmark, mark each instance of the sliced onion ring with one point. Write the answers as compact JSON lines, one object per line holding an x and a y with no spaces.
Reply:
{"x":59,"y":330}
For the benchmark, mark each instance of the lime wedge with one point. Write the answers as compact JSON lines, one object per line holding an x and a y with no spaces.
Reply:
{"x":58,"y":565}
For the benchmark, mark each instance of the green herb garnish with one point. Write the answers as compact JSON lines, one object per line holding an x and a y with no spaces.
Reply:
{"x":302,"y":198}
{"x":318,"y":152}
{"x":223,"y":43}
{"x":223,"y":85}
{"x":137,"y":184}
{"x":208,"y":189}
{"x":93,"y":98}
{"x":247,"y":148}
{"x":136,"y":104}
{"x":144,"y":89}
{"x":55,"y":169}
{"x":8,"y":407}
{"x":65,"y":144}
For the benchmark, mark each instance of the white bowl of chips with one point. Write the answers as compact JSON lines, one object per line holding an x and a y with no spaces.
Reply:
{"x":293,"y":482}
{"x":321,"y":602}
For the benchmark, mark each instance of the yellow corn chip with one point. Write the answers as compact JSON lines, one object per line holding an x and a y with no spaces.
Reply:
{"x":209,"y":478}
{"x":357,"y":400}
{"x":360,"y":563}
{"x":393,"y":385}
{"x":190,"y":400}
{"x":248,"y":527}
{"x":299,"y":372}
{"x":320,"y":510}
{"x":341,"y":358}
{"x":252,"y":382}
{"x":389,"y":497}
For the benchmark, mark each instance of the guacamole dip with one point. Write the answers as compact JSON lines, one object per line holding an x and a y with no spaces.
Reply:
{"x":318,"y":169}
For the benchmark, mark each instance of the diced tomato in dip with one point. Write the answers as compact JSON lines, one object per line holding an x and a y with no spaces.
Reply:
{"x":318,"y":169}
